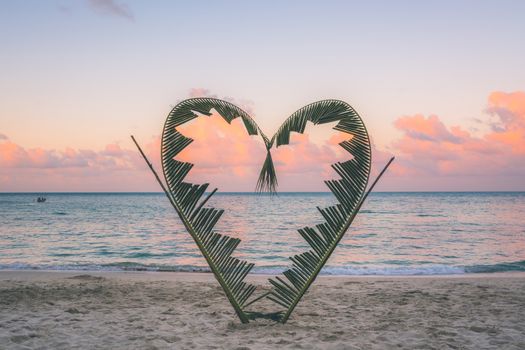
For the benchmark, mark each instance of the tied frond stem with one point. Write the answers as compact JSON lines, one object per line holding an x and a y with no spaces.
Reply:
{"x":267,"y":181}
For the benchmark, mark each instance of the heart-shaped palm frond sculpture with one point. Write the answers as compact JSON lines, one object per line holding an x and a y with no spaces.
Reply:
{"x":217,"y":249}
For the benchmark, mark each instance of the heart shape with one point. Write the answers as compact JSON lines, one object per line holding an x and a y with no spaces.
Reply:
{"x":217,"y":249}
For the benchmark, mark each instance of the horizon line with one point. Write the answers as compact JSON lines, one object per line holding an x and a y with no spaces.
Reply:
{"x":245,"y":192}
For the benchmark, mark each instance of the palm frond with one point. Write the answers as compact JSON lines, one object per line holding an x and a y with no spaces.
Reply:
{"x":199,"y":221}
{"x":349,"y":191}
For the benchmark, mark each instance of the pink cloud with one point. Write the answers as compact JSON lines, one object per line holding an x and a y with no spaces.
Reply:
{"x":429,"y":156}
{"x":224,"y":154}
{"x":112,"y":157}
{"x":429,"y":148}
{"x":509,"y":109}
{"x":39,"y":169}
{"x":304,"y":164}
{"x":427,"y":129}
{"x":244,"y":104}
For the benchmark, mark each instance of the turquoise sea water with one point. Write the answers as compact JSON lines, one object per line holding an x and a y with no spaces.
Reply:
{"x":395,"y":233}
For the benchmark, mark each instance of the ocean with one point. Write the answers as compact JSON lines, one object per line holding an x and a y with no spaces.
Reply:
{"x":394,"y":233}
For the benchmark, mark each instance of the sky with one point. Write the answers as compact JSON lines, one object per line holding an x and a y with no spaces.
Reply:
{"x":439,"y":84}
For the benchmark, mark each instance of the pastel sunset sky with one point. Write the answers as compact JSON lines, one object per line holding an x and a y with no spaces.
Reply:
{"x":439,"y":84}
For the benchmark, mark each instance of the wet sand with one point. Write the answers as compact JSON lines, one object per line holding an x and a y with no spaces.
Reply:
{"x":145,"y":310}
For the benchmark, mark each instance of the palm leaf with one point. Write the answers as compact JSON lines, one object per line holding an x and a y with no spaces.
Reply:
{"x":187,"y":199}
{"x":349,"y":191}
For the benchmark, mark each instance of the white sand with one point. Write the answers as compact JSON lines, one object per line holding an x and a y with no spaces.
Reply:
{"x":93,"y":310}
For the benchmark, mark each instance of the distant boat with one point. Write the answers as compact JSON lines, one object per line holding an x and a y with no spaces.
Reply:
{"x":41,"y":199}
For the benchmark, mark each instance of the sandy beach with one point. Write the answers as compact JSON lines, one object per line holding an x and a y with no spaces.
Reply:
{"x":141,"y":310}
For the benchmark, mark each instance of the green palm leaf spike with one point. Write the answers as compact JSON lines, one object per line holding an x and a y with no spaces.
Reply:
{"x":187,"y":200}
{"x":350,"y":191}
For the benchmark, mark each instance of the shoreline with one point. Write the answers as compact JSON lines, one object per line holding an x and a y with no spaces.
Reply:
{"x":33,"y":275}
{"x":30,"y":275}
